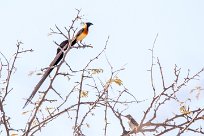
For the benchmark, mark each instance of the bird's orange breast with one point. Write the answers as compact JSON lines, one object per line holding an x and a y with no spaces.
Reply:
{"x":82,"y":35}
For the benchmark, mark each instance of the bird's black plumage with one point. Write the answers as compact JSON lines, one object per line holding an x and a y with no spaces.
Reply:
{"x":61,"y":48}
{"x":58,"y":58}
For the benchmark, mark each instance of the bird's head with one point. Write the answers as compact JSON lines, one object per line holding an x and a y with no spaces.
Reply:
{"x":88,"y":24}
{"x":128,"y":116}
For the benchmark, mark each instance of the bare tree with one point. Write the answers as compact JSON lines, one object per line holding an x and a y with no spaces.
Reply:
{"x":109,"y":95}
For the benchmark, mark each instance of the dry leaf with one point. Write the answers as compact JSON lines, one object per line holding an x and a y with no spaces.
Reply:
{"x":96,"y":71}
{"x":14,"y":134}
{"x":118,"y":81}
{"x":25,"y":112}
{"x":84,"y":93}
{"x":183,"y":110}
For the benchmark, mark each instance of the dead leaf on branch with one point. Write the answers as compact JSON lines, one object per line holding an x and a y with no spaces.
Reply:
{"x":14,"y":134}
{"x":116,"y":80}
{"x":184,"y":110}
{"x":25,"y":112}
{"x":84,"y":93}
{"x":96,"y":71}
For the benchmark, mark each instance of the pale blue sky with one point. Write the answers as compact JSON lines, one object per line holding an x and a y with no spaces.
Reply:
{"x":132,"y":26}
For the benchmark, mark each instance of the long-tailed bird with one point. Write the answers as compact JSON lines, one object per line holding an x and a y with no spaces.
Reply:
{"x":81,"y":34}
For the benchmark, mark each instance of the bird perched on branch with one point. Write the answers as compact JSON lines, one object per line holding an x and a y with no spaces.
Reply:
{"x":132,"y":123}
{"x":81,"y":34}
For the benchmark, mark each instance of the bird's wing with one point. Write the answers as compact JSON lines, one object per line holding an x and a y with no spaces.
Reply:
{"x":79,"y":32}
{"x":134,"y":122}
{"x":77,"y":35}
{"x":61,"y":46}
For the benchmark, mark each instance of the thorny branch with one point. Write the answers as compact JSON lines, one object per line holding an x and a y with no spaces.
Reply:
{"x":39,"y":117}
{"x":169,"y":94}
{"x":110,"y":96}
{"x":8,"y":68}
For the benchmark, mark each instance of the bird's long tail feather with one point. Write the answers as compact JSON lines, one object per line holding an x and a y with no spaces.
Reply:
{"x":47,"y":72}
{"x":56,"y":60}
{"x":73,"y":42}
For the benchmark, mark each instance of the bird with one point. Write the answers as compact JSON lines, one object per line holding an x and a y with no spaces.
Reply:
{"x":132,"y":123}
{"x":81,"y":34}
{"x":126,"y":133}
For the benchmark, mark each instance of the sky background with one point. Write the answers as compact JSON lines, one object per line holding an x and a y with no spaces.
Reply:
{"x":132,"y":26}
